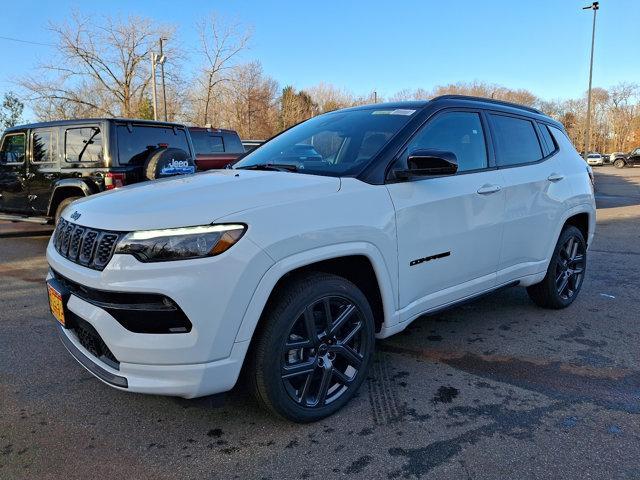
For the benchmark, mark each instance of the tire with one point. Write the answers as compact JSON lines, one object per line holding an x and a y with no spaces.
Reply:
{"x":288,"y":379}
{"x":61,"y":206}
{"x":168,"y":162}
{"x":619,"y":163}
{"x":565,"y":274}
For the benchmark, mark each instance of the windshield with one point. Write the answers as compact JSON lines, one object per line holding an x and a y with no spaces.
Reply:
{"x":336,"y":144}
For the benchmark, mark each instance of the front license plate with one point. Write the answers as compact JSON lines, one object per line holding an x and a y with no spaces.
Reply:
{"x":56,"y":304}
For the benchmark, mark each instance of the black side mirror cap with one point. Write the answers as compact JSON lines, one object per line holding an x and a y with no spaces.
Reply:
{"x":427,"y":163}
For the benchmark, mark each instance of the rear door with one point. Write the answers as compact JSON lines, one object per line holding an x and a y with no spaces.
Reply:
{"x":13,"y":173}
{"x":535,"y":193}
{"x":44,"y":167}
{"x":449,"y":228}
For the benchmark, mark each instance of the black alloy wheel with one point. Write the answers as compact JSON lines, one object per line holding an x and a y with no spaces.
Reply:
{"x":565,"y":274}
{"x":570,"y":268}
{"x":313,"y":347}
{"x":324,"y":351}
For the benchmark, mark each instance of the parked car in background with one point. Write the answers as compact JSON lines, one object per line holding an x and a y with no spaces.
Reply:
{"x":595,"y":160}
{"x":344,"y":228}
{"x":251,"y":144}
{"x":215,"y":147}
{"x":630,"y":159}
{"x":612,"y":157}
{"x":46,"y":166}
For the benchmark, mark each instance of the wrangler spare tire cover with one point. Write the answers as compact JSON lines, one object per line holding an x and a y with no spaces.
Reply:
{"x":168,"y":162}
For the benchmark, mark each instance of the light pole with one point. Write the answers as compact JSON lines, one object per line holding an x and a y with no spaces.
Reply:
{"x":164,"y":90}
{"x":587,"y":136}
{"x":153,"y":85}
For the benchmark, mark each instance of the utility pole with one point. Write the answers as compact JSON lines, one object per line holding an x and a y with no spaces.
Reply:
{"x":587,"y":136}
{"x":153,"y":85}
{"x":164,"y":90}
{"x":375,"y":97}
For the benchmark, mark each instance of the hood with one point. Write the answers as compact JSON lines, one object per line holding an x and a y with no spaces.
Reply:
{"x":195,"y":199}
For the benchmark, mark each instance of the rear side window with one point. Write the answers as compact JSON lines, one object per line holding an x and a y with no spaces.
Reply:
{"x":83,"y":144}
{"x":547,"y":138}
{"x":516,"y":139}
{"x":43,"y":146}
{"x":232,"y":143}
{"x":205,"y":142}
{"x":457,"y":132}
{"x":13,"y":148}
{"x":135,"y":143}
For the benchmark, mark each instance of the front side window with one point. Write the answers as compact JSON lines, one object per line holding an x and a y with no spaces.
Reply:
{"x":517,"y":141}
{"x":457,"y":132}
{"x":340,"y":143}
{"x":43,"y":145}
{"x":137,"y":141}
{"x":83,"y":144}
{"x":205,"y":142}
{"x":13,"y":148}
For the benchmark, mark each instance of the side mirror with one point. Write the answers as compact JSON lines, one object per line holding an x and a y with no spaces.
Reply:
{"x":426,"y":163}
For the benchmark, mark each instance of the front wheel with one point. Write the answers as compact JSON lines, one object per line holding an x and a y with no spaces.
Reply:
{"x":619,"y":163}
{"x":63,"y":204}
{"x":565,"y":274}
{"x":314,"y":348}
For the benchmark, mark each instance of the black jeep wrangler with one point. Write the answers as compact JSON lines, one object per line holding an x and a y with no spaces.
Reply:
{"x":45,"y":166}
{"x":630,"y":159}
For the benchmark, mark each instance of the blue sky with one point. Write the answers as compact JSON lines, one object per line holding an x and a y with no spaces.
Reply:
{"x":370,"y":45}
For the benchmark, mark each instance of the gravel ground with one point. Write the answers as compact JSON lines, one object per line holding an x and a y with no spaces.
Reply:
{"x":493,"y":389}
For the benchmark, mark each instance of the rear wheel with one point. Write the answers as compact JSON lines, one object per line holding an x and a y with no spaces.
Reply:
{"x":619,"y":163}
{"x":314,"y":349}
{"x":565,"y":274}
{"x":61,"y":206}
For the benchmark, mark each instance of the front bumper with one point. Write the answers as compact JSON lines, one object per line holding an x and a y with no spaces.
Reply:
{"x":213,"y":293}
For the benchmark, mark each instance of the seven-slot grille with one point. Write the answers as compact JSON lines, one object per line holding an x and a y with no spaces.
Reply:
{"x":90,"y":247}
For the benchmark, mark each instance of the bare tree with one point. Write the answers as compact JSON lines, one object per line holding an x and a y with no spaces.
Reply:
{"x":101,"y":68}
{"x":220,"y":46}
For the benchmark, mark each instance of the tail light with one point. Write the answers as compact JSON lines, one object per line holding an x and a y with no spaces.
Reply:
{"x":114,"y":180}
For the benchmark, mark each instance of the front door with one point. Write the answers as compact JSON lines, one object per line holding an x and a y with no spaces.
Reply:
{"x":13,"y":173}
{"x":449,"y":228}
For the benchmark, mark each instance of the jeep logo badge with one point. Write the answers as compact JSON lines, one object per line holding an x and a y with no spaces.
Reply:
{"x":75,"y":215}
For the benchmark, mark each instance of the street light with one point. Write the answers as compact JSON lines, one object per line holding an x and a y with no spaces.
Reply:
{"x":161,"y":61}
{"x":587,"y":136}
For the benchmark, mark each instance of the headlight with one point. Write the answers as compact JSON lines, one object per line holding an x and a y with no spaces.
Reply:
{"x":180,"y":243}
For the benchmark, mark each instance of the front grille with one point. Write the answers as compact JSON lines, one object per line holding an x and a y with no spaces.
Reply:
{"x":90,"y":247}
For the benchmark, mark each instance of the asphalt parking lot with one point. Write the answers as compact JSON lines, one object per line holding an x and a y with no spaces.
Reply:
{"x":494,"y":389}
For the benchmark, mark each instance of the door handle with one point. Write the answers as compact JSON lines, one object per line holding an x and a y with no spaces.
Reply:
{"x":488,"y":189}
{"x":30,"y":175}
{"x":555,"y":177}
{"x":50,"y":176}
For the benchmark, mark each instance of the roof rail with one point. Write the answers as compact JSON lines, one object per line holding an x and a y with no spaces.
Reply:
{"x":487,"y":100}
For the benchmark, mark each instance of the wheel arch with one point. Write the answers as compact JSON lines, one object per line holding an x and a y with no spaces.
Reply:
{"x":361,"y":263}
{"x":67,"y":188}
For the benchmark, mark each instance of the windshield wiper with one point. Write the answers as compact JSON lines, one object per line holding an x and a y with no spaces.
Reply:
{"x":279,"y":167}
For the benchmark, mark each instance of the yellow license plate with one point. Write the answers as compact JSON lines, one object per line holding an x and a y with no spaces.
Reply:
{"x":56,"y":305}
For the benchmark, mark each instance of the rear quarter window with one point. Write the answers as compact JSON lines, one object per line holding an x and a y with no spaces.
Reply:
{"x":207,"y":142}
{"x":547,"y":138}
{"x":516,"y":140}
{"x":83,"y":144}
{"x":137,"y":141}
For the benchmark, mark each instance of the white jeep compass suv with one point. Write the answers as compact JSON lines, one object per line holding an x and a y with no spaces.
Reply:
{"x":340,"y":230}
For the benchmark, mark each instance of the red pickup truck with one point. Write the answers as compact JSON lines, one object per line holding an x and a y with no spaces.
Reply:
{"x":215,"y":147}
